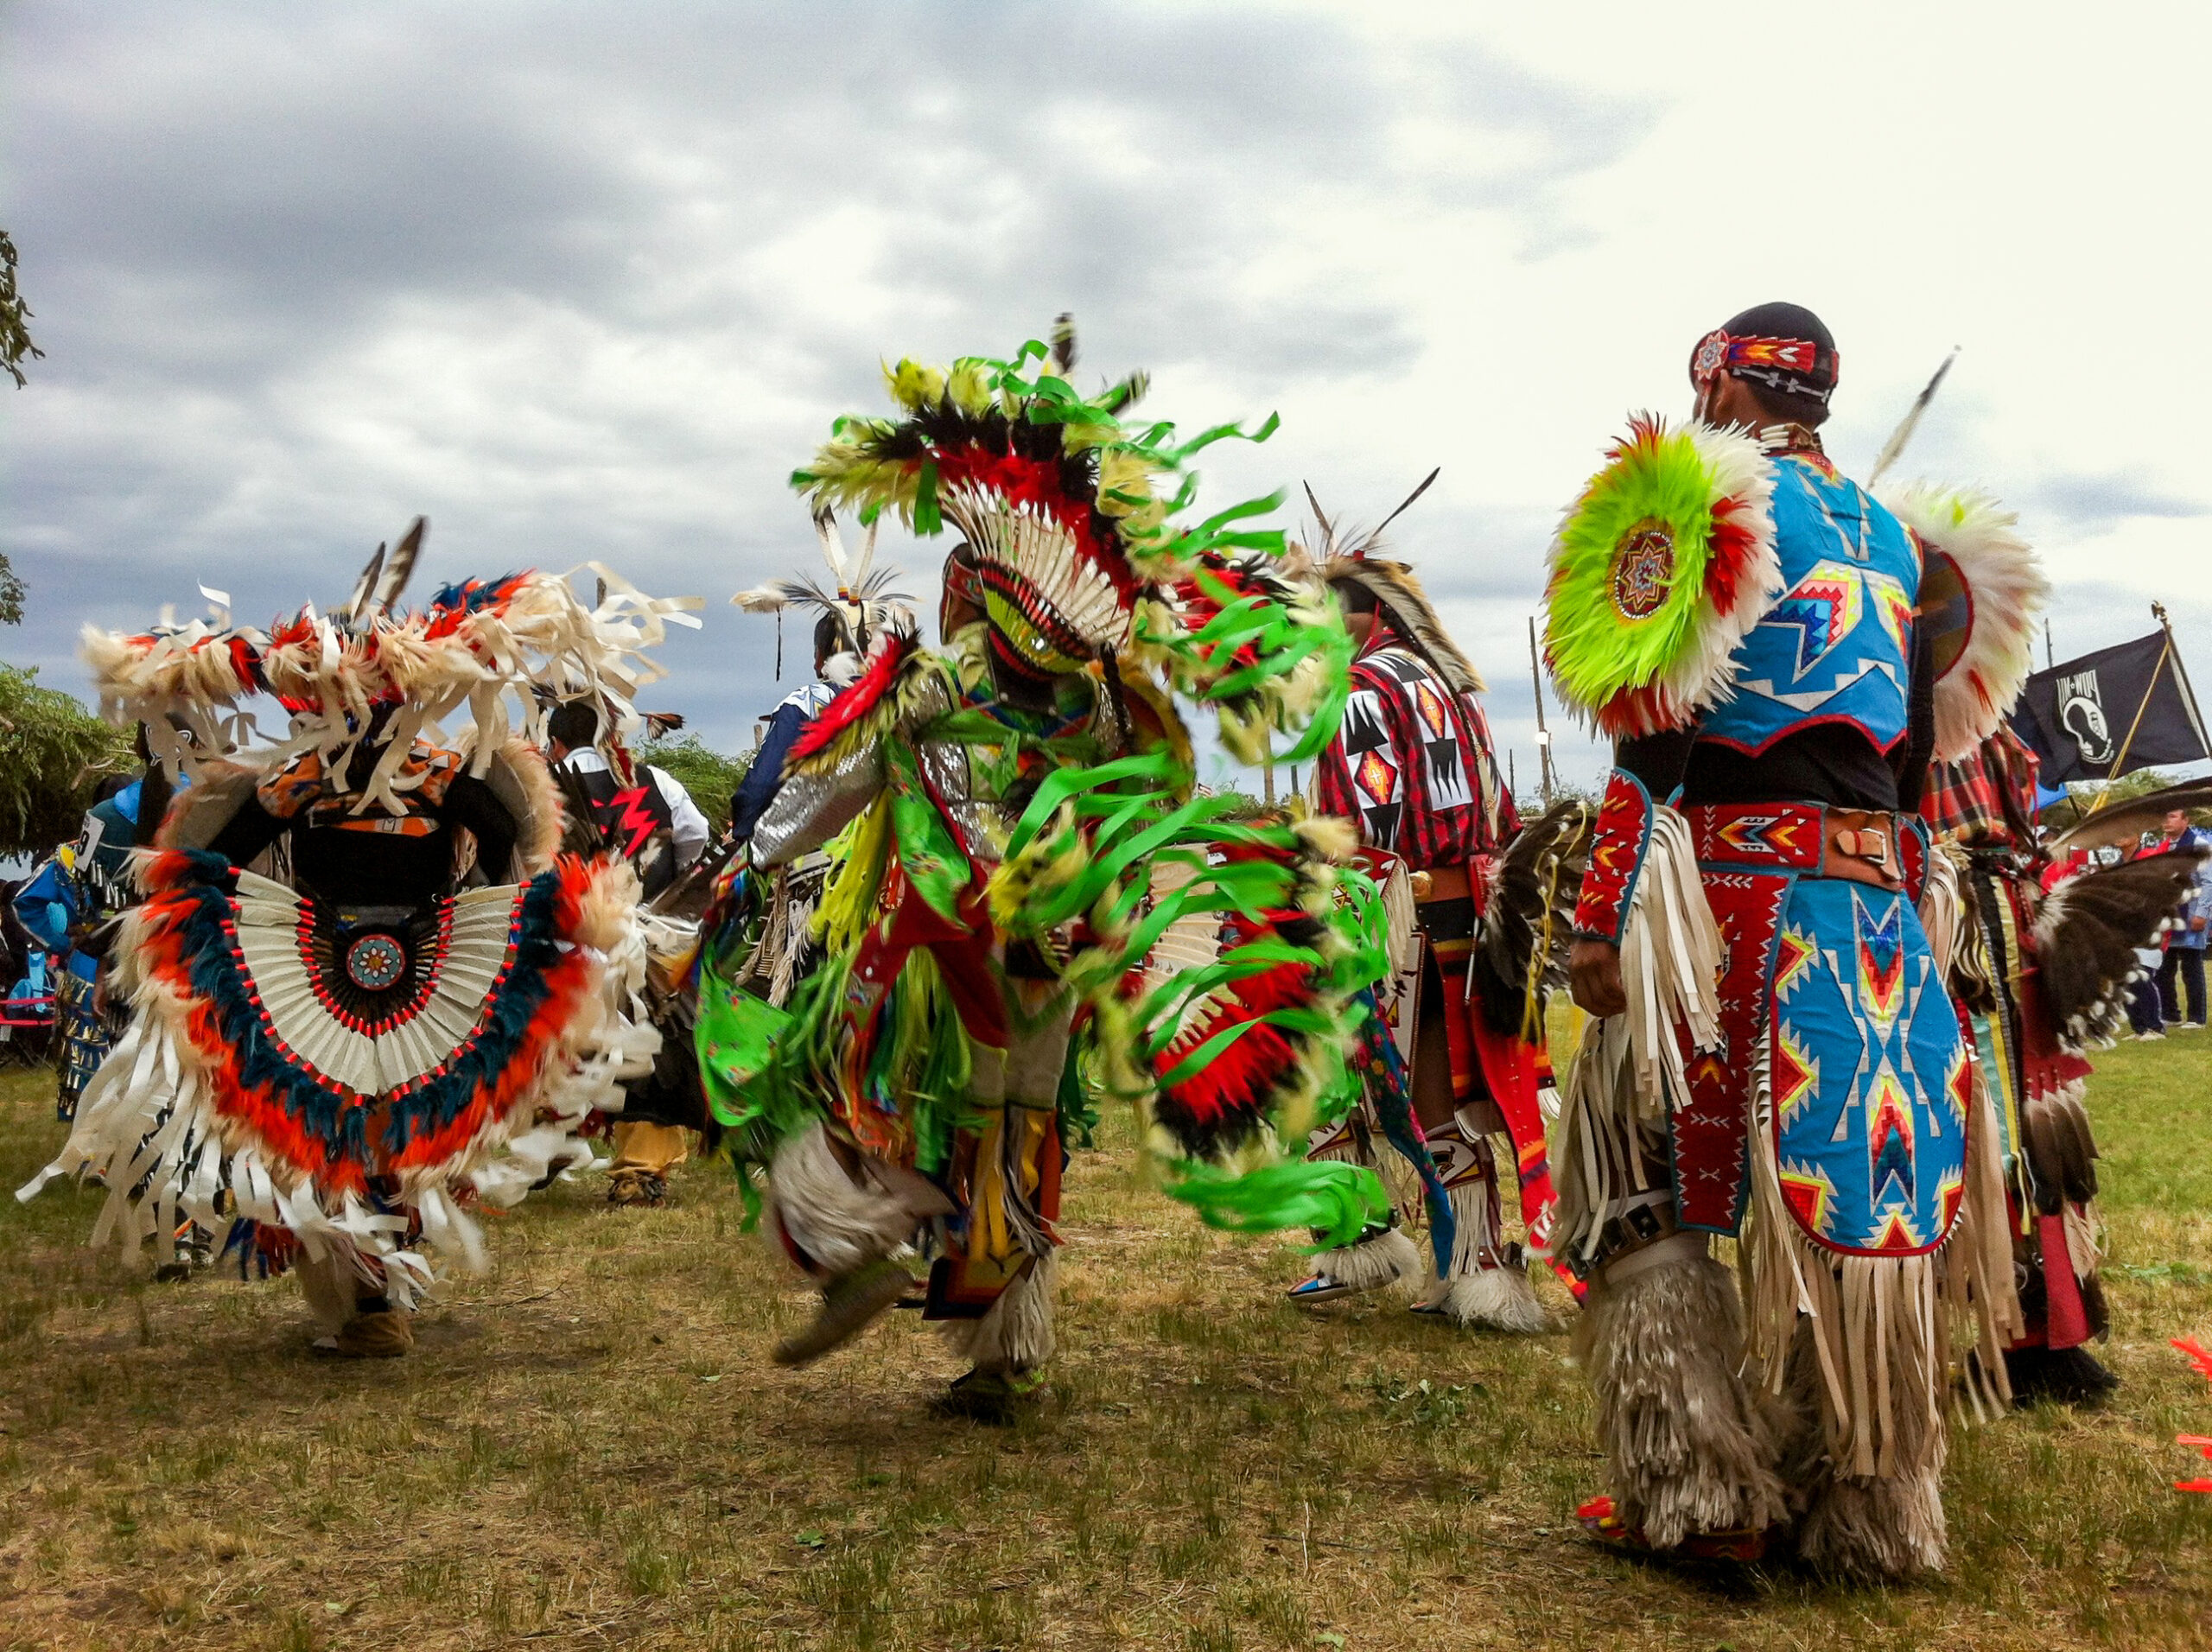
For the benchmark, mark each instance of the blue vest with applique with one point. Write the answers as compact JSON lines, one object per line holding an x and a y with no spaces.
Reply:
{"x":1836,"y":646}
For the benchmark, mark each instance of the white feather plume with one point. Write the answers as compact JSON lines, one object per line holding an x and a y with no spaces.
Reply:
{"x":2005,"y":589}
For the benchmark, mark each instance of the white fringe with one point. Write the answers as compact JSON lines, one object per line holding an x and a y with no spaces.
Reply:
{"x":1016,"y":1334}
{"x":839,"y":1222}
{"x":1627,"y":1073}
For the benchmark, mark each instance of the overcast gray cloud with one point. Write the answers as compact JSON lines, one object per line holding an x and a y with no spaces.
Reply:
{"x":588,"y":280}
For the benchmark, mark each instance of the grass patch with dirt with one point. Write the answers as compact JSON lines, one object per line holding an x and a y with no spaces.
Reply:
{"x":590,"y":1449}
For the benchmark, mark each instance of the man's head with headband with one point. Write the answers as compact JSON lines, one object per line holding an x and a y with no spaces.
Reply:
{"x":1784,"y":357}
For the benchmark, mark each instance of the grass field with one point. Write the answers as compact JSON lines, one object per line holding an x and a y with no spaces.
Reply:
{"x":589,"y":1449}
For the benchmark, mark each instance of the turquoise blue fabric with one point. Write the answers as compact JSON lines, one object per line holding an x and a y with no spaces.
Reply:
{"x":1869,"y":1073}
{"x":1833,"y":648}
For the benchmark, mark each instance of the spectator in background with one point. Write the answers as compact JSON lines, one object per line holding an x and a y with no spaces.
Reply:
{"x":2181,"y":975}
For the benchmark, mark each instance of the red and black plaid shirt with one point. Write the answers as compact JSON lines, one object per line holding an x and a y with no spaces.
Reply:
{"x":1987,"y":796}
{"x":1412,"y":767}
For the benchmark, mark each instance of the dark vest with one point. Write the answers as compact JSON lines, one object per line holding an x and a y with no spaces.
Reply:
{"x":632,"y":823}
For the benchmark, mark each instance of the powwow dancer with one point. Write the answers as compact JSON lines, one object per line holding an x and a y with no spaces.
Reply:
{"x":1776,"y":653}
{"x":2040,"y":976}
{"x":1412,"y":769}
{"x":757,"y":940}
{"x":1031,"y":899}
{"x":329,"y":1071}
{"x":618,"y":807}
{"x":73,"y":906}
{"x":765,"y":916}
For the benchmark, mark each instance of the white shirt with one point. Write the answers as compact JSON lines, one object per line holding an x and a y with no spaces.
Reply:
{"x":688,"y":827}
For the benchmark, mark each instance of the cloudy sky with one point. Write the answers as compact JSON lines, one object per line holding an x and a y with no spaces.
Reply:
{"x":586,"y":280}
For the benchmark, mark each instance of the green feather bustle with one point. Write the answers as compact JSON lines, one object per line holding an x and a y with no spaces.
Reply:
{"x":1596,"y":651}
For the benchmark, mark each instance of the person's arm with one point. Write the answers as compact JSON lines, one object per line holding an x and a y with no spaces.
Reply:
{"x":1647,"y":770}
{"x":469,"y":802}
{"x":758,"y":789}
{"x":687,"y":828}
{"x":247,"y":833}
{"x":1918,"y":749}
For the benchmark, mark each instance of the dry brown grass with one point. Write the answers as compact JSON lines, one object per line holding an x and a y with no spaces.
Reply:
{"x":590,"y":1449}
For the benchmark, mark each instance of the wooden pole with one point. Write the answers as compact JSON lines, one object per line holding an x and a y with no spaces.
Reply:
{"x":1543,"y":734}
{"x":2181,"y":675}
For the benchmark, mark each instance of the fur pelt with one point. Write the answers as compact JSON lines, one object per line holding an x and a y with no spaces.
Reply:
{"x":197,"y":814}
{"x":2087,"y":933}
{"x":521,"y":778}
{"x":1382,"y":1259}
{"x":1530,"y":920}
{"x":1685,"y":1449}
{"x":836,"y":1220}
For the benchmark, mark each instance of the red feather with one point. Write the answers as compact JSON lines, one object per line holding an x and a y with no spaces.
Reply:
{"x":890,"y":653}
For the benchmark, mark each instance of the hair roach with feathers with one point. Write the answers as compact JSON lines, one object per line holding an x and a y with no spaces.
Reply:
{"x":1340,"y":556}
{"x":858,"y":597}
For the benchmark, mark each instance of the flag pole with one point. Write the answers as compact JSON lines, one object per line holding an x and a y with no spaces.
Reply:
{"x":1543,"y":734}
{"x":2181,"y":675}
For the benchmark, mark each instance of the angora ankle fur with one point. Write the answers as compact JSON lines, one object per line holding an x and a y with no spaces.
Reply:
{"x":1372,"y":1263}
{"x":1016,"y":1335}
{"x":1685,"y":1449}
{"x":1864,"y":1527}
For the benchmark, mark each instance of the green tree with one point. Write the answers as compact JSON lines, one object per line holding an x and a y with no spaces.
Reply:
{"x":16,"y":348}
{"x":16,"y":345}
{"x":709,"y":776}
{"x":53,"y":752}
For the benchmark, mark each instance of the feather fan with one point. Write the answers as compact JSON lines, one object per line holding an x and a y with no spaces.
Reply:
{"x":2086,"y":935}
{"x":1521,"y":954}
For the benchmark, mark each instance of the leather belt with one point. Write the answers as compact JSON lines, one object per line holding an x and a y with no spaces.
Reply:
{"x":1441,"y":883}
{"x":1862,"y":845}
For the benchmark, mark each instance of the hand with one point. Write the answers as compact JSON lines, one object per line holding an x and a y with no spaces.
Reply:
{"x":1594,"y":976}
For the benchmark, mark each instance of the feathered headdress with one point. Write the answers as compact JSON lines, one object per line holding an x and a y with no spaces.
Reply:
{"x":1343,"y":557}
{"x":1055,"y":496}
{"x":478,"y":642}
{"x":859,"y":596}
{"x":1073,"y":539}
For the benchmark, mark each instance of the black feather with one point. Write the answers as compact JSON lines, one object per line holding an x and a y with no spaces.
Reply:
{"x":2088,"y":934}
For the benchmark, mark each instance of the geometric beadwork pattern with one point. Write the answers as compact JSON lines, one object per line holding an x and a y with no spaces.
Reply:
{"x":1869,"y":1075}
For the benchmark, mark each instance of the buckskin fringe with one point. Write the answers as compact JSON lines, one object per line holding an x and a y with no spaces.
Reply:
{"x":1628,"y":1072}
{"x":1880,"y":1327}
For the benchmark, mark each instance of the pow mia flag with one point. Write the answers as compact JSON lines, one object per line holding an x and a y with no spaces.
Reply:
{"x":2077,"y":715}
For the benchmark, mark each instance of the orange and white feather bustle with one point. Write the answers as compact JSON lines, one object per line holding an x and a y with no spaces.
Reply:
{"x":249,"y":1089}
{"x":1982,"y":588}
{"x":482,"y":656}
